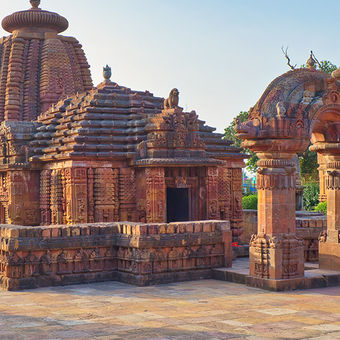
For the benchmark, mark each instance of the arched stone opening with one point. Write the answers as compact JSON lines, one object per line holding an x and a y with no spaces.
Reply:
{"x":297,"y":107}
{"x":325,"y":136}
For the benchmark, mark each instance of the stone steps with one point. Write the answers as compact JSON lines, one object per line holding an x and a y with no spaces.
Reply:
{"x":314,"y":277}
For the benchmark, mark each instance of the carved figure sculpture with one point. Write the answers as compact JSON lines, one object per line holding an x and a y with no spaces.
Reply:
{"x":281,"y":110}
{"x":107,"y":73}
{"x":172,"y":101}
{"x":35,"y":3}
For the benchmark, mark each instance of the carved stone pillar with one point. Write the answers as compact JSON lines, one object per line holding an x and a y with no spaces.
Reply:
{"x":155,"y":195}
{"x":56,"y":198}
{"x":329,"y":246}
{"x":23,"y":197}
{"x":236,"y":204}
{"x":275,"y":252}
{"x":212,"y":193}
{"x":322,"y":177}
{"x":45,"y":197}
{"x":76,"y":195}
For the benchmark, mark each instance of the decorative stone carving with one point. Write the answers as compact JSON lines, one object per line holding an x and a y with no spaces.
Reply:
{"x":35,"y":3}
{"x":107,"y":73}
{"x":172,"y":101}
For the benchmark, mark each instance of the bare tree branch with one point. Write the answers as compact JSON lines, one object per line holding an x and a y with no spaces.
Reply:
{"x":285,"y":53}
{"x":317,"y":61}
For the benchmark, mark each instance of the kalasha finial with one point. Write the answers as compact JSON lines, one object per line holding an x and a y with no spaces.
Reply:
{"x":311,"y":61}
{"x":35,"y":3}
{"x":107,"y":72}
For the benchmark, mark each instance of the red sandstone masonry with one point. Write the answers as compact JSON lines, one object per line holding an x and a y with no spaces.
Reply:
{"x":141,"y":254}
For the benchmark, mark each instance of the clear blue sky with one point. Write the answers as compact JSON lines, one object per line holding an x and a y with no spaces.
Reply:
{"x":220,"y":54}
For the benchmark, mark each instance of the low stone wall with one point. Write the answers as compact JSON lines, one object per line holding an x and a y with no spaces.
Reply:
{"x":249,"y":224}
{"x":309,"y":225}
{"x":141,"y":254}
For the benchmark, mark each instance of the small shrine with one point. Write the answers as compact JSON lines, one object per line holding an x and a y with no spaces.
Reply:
{"x":72,"y":155}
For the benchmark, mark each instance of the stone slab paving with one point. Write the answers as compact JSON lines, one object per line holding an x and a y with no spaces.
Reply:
{"x":191,"y":310}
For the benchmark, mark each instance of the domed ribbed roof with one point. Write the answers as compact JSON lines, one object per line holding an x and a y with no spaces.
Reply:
{"x":290,"y":88}
{"x":35,"y":18}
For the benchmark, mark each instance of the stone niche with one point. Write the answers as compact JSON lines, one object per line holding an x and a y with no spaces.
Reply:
{"x":141,"y":254}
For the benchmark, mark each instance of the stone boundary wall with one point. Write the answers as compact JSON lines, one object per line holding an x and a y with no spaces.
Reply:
{"x":309,"y":225}
{"x":141,"y":254}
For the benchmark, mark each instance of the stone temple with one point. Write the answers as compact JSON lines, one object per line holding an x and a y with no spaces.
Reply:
{"x":77,"y":160}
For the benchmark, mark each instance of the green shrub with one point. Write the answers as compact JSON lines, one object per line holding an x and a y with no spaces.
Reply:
{"x":311,"y":195}
{"x":249,"y":202}
{"x":321,"y":207}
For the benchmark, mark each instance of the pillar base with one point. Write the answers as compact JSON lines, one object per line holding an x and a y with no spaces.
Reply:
{"x":329,"y":255}
{"x":277,"y":257}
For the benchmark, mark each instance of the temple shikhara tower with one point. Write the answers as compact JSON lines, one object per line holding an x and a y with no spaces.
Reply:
{"x":38,"y":66}
{"x":73,"y":155}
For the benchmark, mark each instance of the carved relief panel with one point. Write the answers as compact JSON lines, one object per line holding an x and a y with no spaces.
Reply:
{"x":106,"y":196}
{"x":155,"y":195}
{"x":212,"y":194}
{"x":127,"y":194}
{"x":45,"y":197}
{"x":75,"y":205}
{"x":224,"y":192}
{"x":56,"y":197}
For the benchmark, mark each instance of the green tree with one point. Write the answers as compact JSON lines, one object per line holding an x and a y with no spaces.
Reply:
{"x":309,"y":166}
{"x":230,"y":134}
{"x":311,"y":195}
{"x":324,"y":66}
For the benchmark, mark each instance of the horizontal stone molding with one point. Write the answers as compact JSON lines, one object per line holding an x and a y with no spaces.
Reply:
{"x":130,"y":252}
{"x":275,"y":163}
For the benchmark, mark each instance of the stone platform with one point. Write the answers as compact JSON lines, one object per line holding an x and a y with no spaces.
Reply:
{"x":140,"y":254}
{"x":314,"y":277}
{"x":198,"y":310}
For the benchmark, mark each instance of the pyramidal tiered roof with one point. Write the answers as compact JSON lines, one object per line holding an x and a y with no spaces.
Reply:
{"x":111,"y":122}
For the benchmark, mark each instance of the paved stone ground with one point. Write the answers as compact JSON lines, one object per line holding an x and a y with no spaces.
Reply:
{"x":192,"y":310}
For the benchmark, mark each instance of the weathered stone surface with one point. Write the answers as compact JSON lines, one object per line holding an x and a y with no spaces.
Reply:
{"x":103,"y":154}
{"x":140,"y":254}
{"x":297,"y":107}
{"x":309,"y":226}
{"x":38,"y":66}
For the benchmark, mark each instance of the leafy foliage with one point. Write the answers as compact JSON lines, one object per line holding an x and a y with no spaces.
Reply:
{"x":249,"y":202}
{"x":230,"y":134}
{"x":326,"y":66}
{"x":321,"y":207}
{"x":311,"y":195}
{"x":309,"y":166}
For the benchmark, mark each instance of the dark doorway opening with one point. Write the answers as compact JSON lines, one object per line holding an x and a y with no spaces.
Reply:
{"x":177,"y":205}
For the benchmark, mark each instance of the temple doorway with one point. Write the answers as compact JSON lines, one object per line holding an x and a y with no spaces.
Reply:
{"x":177,"y":205}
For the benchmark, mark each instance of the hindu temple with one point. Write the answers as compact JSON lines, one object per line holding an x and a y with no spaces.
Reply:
{"x":77,"y":161}
{"x":109,"y":183}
